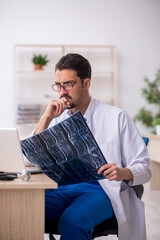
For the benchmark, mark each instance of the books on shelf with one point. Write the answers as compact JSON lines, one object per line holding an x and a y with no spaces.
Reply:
{"x":68,"y":150}
{"x":28,"y":113}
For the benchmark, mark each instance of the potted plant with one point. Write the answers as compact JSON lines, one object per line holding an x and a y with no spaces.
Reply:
{"x":39,"y":61}
{"x":151,"y":92}
{"x":156,"y":123}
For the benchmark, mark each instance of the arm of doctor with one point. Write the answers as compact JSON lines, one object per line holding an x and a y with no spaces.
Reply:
{"x":54,"y":109}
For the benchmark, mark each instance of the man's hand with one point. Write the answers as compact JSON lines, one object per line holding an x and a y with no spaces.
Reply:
{"x":54,"y":109}
{"x":112,"y":172}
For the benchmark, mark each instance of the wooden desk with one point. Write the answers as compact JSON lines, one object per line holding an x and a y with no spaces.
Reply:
{"x":154,"y":149}
{"x":22,"y":208}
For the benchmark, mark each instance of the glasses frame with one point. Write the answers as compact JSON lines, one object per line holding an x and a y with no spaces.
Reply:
{"x":64,"y":86}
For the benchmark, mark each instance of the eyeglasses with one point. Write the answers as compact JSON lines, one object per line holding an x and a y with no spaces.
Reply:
{"x":68,"y":86}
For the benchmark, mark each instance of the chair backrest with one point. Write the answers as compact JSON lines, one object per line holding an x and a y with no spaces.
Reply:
{"x":139,"y":189}
{"x":146,"y":140}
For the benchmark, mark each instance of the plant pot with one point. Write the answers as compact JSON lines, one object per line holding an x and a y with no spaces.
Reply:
{"x":158,"y":129}
{"x":38,"y":67}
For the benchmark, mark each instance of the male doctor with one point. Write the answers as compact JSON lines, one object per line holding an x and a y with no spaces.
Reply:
{"x":80,"y":207}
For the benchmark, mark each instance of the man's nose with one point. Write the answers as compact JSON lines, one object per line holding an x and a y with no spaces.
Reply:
{"x":63,"y":91}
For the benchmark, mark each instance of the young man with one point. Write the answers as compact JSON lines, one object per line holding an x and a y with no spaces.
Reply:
{"x":80,"y":207}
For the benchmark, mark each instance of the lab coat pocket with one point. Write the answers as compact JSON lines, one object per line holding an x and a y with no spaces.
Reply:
{"x":137,"y":211}
{"x":124,"y":218}
{"x":124,"y":195}
{"x":138,"y":217}
{"x":134,"y":212}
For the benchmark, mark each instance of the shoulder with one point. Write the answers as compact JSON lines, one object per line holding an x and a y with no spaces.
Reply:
{"x":108,"y":114}
{"x":107,"y":109}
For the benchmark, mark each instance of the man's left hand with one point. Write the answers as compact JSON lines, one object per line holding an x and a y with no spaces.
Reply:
{"x":112,"y":172}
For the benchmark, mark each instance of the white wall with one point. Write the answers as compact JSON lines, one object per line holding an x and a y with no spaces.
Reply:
{"x":132,"y":25}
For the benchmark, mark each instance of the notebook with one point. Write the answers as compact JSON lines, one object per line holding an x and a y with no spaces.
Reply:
{"x":11,"y":157}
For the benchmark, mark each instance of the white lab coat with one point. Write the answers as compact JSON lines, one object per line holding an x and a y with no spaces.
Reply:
{"x":121,"y":143}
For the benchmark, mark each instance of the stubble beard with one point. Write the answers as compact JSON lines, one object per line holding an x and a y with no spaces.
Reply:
{"x":72,"y":105}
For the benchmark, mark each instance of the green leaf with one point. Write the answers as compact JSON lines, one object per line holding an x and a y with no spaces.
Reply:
{"x":151,"y":93}
{"x":39,"y":59}
{"x":145,"y":117}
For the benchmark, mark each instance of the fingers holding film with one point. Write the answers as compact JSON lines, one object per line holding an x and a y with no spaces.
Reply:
{"x":110,"y":171}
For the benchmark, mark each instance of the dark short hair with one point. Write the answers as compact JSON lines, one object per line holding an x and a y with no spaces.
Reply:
{"x":75,"y":62}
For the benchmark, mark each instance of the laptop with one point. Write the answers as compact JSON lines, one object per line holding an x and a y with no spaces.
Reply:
{"x":11,"y":157}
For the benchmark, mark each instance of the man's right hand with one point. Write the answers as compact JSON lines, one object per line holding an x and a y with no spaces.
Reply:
{"x":54,"y":109}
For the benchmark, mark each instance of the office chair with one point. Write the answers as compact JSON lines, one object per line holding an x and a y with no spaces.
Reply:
{"x":108,"y":227}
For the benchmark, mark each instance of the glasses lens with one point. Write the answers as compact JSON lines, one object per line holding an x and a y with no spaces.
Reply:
{"x":68,"y":86}
{"x":56,"y":87}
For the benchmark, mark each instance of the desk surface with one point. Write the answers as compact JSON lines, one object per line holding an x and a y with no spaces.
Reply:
{"x":154,"y":136}
{"x":37,"y":181}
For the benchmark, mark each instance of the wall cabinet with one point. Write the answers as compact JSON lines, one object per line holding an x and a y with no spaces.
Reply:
{"x":32,"y":88}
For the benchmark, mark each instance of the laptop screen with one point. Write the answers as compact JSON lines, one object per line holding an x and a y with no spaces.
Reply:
{"x":11,"y":157}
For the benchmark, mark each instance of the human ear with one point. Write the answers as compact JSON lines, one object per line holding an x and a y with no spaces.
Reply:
{"x":86,"y":83}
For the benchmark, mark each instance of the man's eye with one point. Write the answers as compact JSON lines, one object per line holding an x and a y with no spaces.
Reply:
{"x":68,"y":84}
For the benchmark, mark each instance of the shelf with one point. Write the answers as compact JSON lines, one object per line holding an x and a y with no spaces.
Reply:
{"x":34,"y":71}
{"x":52,"y":72}
{"x":38,"y":100}
{"x":34,"y":86}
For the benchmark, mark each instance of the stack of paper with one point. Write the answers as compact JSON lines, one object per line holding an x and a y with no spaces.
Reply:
{"x":28,"y":113}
